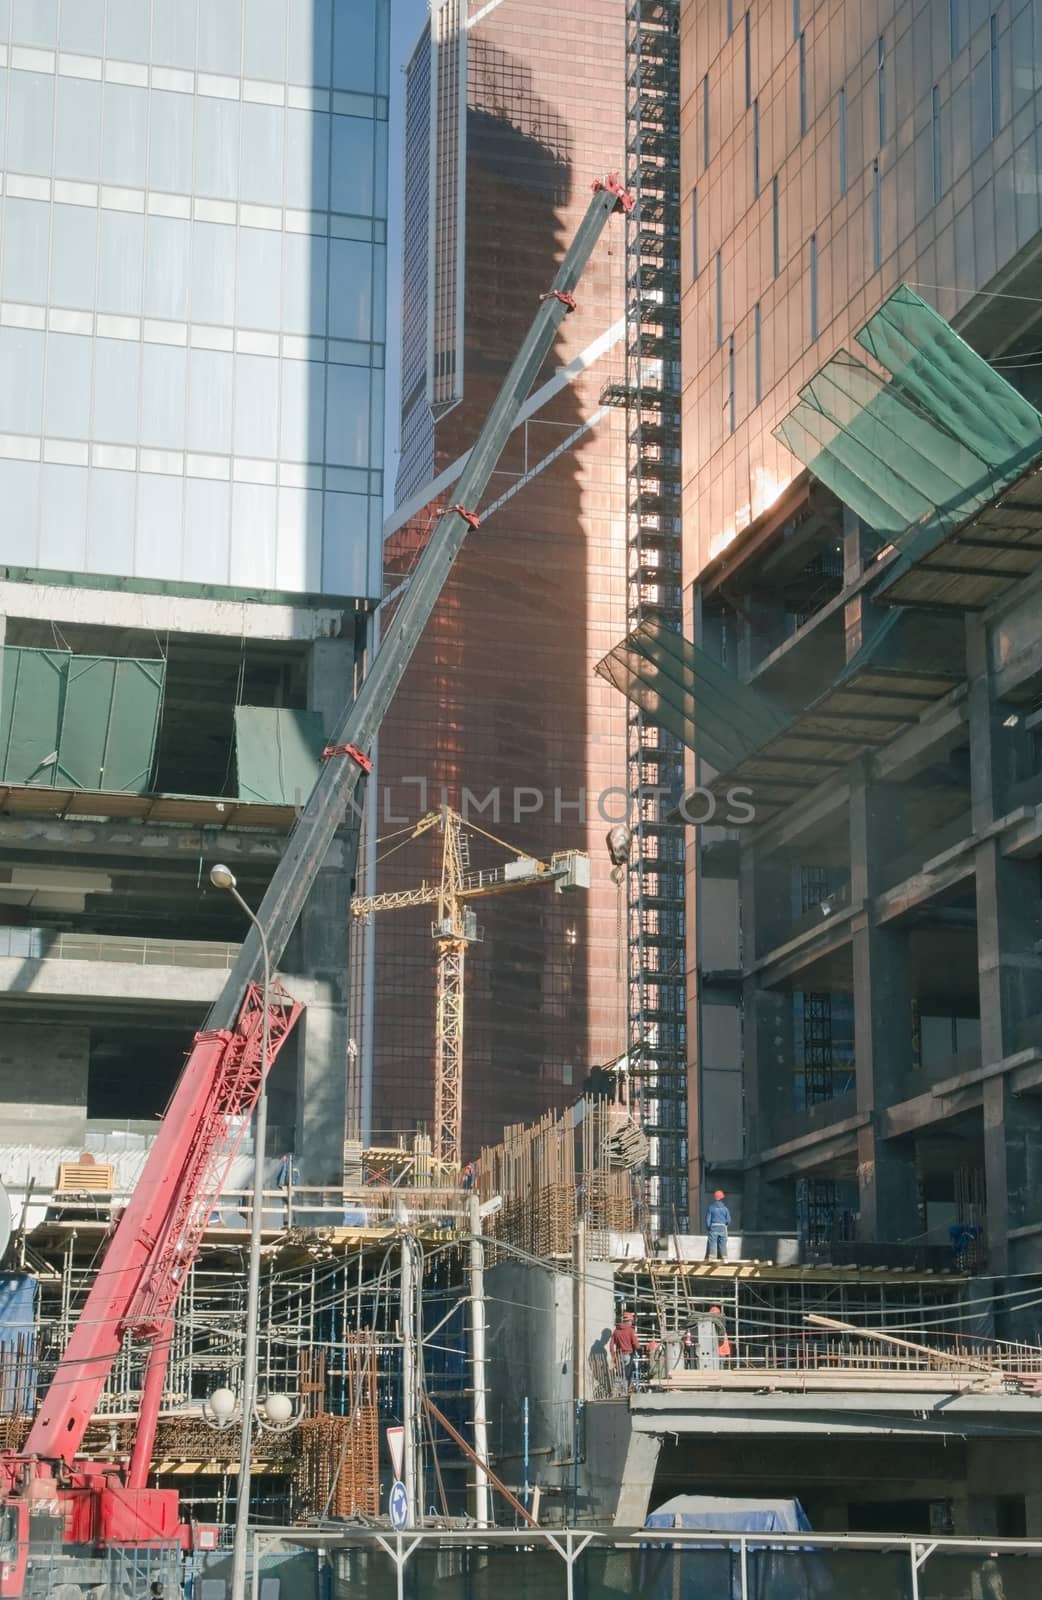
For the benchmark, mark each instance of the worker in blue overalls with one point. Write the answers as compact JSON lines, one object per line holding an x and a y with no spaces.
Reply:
{"x":718,"y":1220}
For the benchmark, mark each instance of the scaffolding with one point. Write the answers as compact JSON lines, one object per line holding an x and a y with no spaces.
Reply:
{"x":655,"y":758}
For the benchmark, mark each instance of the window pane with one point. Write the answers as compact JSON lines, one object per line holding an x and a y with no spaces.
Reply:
{"x":347,"y":417}
{"x":303,"y":404}
{"x":27,"y":230}
{"x":21,"y":393}
{"x":66,"y":412}
{"x":220,"y":37}
{"x":307,"y":160}
{"x":63,"y":516}
{"x":205,"y":554}
{"x":74,"y":256}
{"x":110,"y":521}
{"x":265,"y":51}
{"x":127,"y":38}
{"x":256,"y":406}
{"x":260,"y":278}
{"x":167,"y":245}
{"x":350,"y":291}
{"x":217,"y":133}
{"x":34,"y":22}
{"x":352,"y":165}
{"x":83,"y":27}
{"x":304,"y":288}
{"x":310,"y":42}
{"x":210,"y":376}
{"x":125,"y":135}
{"x":158,"y":526}
{"x":20,"y":496}
{"x":254,"y":512}
{"x":117,"y":369}
{"x":260,"y":177}
{"x":354,"y":44}
{"x":173,"y":33}
{"x":344,"y":548}
{"x":164,"y":374}
{"x":213,"y":273}
{"x":120,"y":253}
{"x":170,"y":146}
{"x":77,"y":134}
{"x":30,"y":123}
{"x":299,"y":539}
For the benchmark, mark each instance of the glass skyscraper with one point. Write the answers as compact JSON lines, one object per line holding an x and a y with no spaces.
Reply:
{"x":192,"y":290}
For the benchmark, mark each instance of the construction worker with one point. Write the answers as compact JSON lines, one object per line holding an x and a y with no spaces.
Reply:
{"x":987,"y":1584}
{"x":718,"y":1220}
{"x":724,"y":1347}
{"x":626,"y":1345}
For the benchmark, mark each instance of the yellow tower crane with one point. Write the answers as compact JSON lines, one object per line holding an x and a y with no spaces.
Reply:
{"x":455,"y":927}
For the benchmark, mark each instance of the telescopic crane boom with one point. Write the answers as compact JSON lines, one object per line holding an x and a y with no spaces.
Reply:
{"x":158,"y":1236}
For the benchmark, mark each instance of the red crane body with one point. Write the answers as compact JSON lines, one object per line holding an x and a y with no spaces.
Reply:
{"x":154,"y":1243}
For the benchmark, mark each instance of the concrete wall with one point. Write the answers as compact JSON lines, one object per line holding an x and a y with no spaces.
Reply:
{"x":43,"y":1084}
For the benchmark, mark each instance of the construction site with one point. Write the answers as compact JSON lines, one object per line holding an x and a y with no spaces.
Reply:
{"x":421,"y":1178}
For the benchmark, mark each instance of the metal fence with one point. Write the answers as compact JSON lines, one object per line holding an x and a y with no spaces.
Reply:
{"x":656,"y":1565}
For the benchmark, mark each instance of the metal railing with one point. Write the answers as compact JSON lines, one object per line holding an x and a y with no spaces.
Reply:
{"x":585,"y":1564}
{"x":42,"y":944}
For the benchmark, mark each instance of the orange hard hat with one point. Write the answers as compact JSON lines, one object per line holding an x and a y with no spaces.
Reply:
{"x":627,"y":1316}
{"x":714,"y":1311}
{"x":719,"y":1195}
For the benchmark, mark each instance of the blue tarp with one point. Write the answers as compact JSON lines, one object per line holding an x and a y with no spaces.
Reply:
{"x":692,"y":1571}
{"x":17,"y":1344}
{"x":725,"y":1514}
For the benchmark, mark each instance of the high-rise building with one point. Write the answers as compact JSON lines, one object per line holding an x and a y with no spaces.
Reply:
{"x":512,"y":110}
{"x":864,"y":949}
{"x":191,"y":400}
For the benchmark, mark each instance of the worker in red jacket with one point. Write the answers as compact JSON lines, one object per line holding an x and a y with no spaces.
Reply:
{"x":626,"y":1345}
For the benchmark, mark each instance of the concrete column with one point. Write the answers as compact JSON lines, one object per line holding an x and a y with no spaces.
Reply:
{"x":321,"y":952}
{"x":882,"y":1023}
{"x":1009,"y":928}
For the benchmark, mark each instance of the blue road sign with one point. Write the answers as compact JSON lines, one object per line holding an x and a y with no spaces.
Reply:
{"x":399,"y":1505}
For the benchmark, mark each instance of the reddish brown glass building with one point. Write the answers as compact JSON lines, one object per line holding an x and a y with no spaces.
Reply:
{"x":511,"y":112}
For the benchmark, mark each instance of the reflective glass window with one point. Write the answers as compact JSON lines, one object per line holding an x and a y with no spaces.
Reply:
{"x":26,"y":248}
{"x":304,"y":284}
{"x":20,"y":497}
{"x":111,"y":501}
{"x":350,"y":289}
{"x":217,"y":144}
{"x":264,"y":54}
{"x":63,"y":517}
{"x":352,"y":159}
{"x":66,"y":412}
{"x":117,"y":381}
{"x":167,"y":251}
{"x":125,"y":135}
{"x":210,"y":379}
{"x":347,"y":416}
{"x":121,"y":247}
{"x":256,"y":424}
{"x":30,"y":122}
{"x":159,"y":526}
{"x":345,"y":544}
{"x":260,"y":278}
{"x":220,"y":37}
{"x":73,"y":256}
{"x":164,"y":371}
{"x":354,"y":44}
{"x":310,"y":42}
{"x":307,"y":160}
{"x":128,"y":31}
{"x":77,"y":130}
{"x":206,"y":531}
{"x":260,"y":172}
{"x":34,"y":22}
{"x":170,"y":144}
{"x":173,"y":33}
{"x":303,"y":411}
{"x":254,"y":519}
{"x":21,"y":393}
{"x":213,"y":273}
{"x":82,"y":27}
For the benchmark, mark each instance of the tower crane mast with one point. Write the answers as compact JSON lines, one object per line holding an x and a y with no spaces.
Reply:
{"x":453,"y":930}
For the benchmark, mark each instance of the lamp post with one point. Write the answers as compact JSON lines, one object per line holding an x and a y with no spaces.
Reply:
{"x":223,"y":877}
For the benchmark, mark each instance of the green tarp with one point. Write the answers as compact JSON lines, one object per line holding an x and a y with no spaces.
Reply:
{"x":277,"y":753}
{"x":914,"y":456}
{"x":683,"y":689}
{"x":78,"y":722}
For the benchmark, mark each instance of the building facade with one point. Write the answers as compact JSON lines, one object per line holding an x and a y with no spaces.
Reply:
{"x":863,"y":959}
{"x":511,"y":112}
{"x":192,"y":332}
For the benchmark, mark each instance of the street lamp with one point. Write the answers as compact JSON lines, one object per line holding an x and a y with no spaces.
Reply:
{"x":223,"y":877}
{"x":275,"y":1414}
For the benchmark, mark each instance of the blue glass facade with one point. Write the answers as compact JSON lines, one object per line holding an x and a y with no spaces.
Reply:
{"x":192,"y":288}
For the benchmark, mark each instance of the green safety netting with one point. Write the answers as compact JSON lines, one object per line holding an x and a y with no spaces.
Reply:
{"x":916,"y":455}
{"x":684,"y":690}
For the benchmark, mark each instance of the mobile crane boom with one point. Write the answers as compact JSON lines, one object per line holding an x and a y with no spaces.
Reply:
{"x":158,"y":1236}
